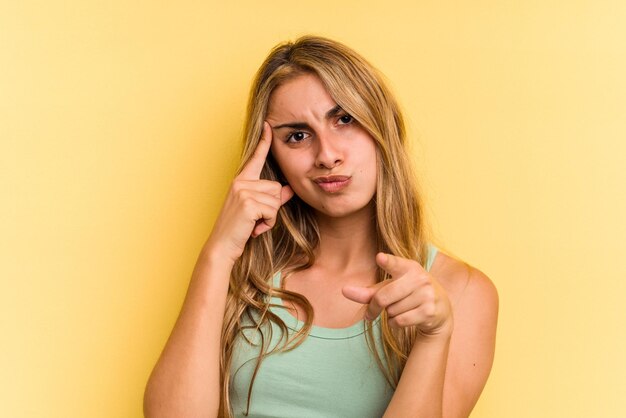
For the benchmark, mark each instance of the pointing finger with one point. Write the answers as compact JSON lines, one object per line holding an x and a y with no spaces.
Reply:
{"x":254,"y":166}
{"x":394,"y":265}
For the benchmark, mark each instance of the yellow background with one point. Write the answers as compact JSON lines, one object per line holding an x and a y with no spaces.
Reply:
{"x":119,"y":133}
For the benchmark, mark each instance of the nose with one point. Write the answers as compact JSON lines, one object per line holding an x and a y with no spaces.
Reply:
{"x":329,"y":153}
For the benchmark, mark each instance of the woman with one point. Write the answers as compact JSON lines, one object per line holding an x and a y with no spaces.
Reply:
{"x":317,"y":292}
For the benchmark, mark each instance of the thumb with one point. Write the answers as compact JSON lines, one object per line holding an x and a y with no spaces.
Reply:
{"x":286,"y":193}
{"x":358,"y":293}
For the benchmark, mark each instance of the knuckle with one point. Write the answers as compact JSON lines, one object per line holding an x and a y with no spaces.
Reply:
{"x":401,"y":321}
{"x":429,"y":292}
{"x":430,"y":309}
{"x":426,"y":326}
{"x":248,"y":204}
{"x":276,"y":187}
{"x":244,"y":194}
{"x":421,"y":277}
{"x":380,"y":299}
{"x":236,"y":185}
{"x":413,"y":279}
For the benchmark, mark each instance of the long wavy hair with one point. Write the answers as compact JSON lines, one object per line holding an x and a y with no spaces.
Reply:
{"x":360,"y":90}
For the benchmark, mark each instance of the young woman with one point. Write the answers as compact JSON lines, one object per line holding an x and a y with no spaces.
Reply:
{"x":318,"y":293}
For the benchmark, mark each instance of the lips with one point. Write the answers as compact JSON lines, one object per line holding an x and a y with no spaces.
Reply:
{"x":332,"y":184}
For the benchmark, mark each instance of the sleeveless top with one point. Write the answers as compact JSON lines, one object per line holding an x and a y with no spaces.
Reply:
{"x":332,"y":373}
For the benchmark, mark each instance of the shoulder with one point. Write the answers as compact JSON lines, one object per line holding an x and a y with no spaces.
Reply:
{"x":465,"y":284}
{"x":475,"y":304}
{"x":474,"y":300}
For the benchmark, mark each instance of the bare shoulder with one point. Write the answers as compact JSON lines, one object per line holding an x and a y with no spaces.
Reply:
{"x":465,"y":284}
{"x":475,"y":303}
{"x":475,"y":306}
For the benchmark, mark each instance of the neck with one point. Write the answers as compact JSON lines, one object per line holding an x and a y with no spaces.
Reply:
{"x":347,"y":243}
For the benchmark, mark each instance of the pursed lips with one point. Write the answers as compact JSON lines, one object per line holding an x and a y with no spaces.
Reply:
{"x":332,"y":184}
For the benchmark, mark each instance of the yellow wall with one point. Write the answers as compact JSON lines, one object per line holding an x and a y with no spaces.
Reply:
{"x":119,"y":124}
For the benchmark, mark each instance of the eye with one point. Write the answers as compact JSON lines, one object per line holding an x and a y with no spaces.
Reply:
{"x":345,"y":119}
{"x":296,"y":137}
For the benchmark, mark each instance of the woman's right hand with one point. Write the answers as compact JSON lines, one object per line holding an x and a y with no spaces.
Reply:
{"x":251,"y":205}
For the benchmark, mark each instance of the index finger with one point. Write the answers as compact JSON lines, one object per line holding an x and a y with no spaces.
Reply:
{"x":394,"y":265}
{"x":254,"y":166}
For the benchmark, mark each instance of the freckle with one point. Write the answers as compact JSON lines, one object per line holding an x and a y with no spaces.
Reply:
{"x":474,"y":364}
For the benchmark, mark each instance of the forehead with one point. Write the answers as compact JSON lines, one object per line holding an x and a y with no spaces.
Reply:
{"x":300,"y":97}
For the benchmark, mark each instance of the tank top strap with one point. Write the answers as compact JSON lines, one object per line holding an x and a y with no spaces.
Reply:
{"x":432,"y":253}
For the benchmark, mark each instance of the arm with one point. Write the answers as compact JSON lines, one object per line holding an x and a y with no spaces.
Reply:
{"x":444,"y":377}
{"x":472,"y":346}
{"x":456,"y":314}
{"x":185,"y":382}
{"x":420,"y":390}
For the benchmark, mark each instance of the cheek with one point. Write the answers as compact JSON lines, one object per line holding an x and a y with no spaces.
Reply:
{"x":372,"y":169}
{"x":369,"y":159}
{"x":291,"y":170}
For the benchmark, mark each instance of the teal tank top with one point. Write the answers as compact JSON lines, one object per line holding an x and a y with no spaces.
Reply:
{"x":331,"y":374}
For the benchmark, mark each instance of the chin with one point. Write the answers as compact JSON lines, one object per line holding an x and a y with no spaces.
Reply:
{"x":335,"y":210}
{"x":338,"y":205}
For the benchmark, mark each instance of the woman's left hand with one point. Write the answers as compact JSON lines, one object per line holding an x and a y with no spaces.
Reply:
{"x":412,"y":297}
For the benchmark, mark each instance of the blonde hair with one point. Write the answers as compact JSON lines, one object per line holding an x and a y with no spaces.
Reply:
{"x":400,"y":229}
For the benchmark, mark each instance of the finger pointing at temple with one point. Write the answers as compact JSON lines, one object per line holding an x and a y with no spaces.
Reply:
{"x":254,"y":166}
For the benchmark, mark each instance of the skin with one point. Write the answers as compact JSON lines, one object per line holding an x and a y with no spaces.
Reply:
{"x":327,"y":143}
{"x":185,"y":381}
{"x":453,"y":357}
{"x":454,"y":305}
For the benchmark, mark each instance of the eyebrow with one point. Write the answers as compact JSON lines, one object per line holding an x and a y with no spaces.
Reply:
{"x":303,"y":125}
